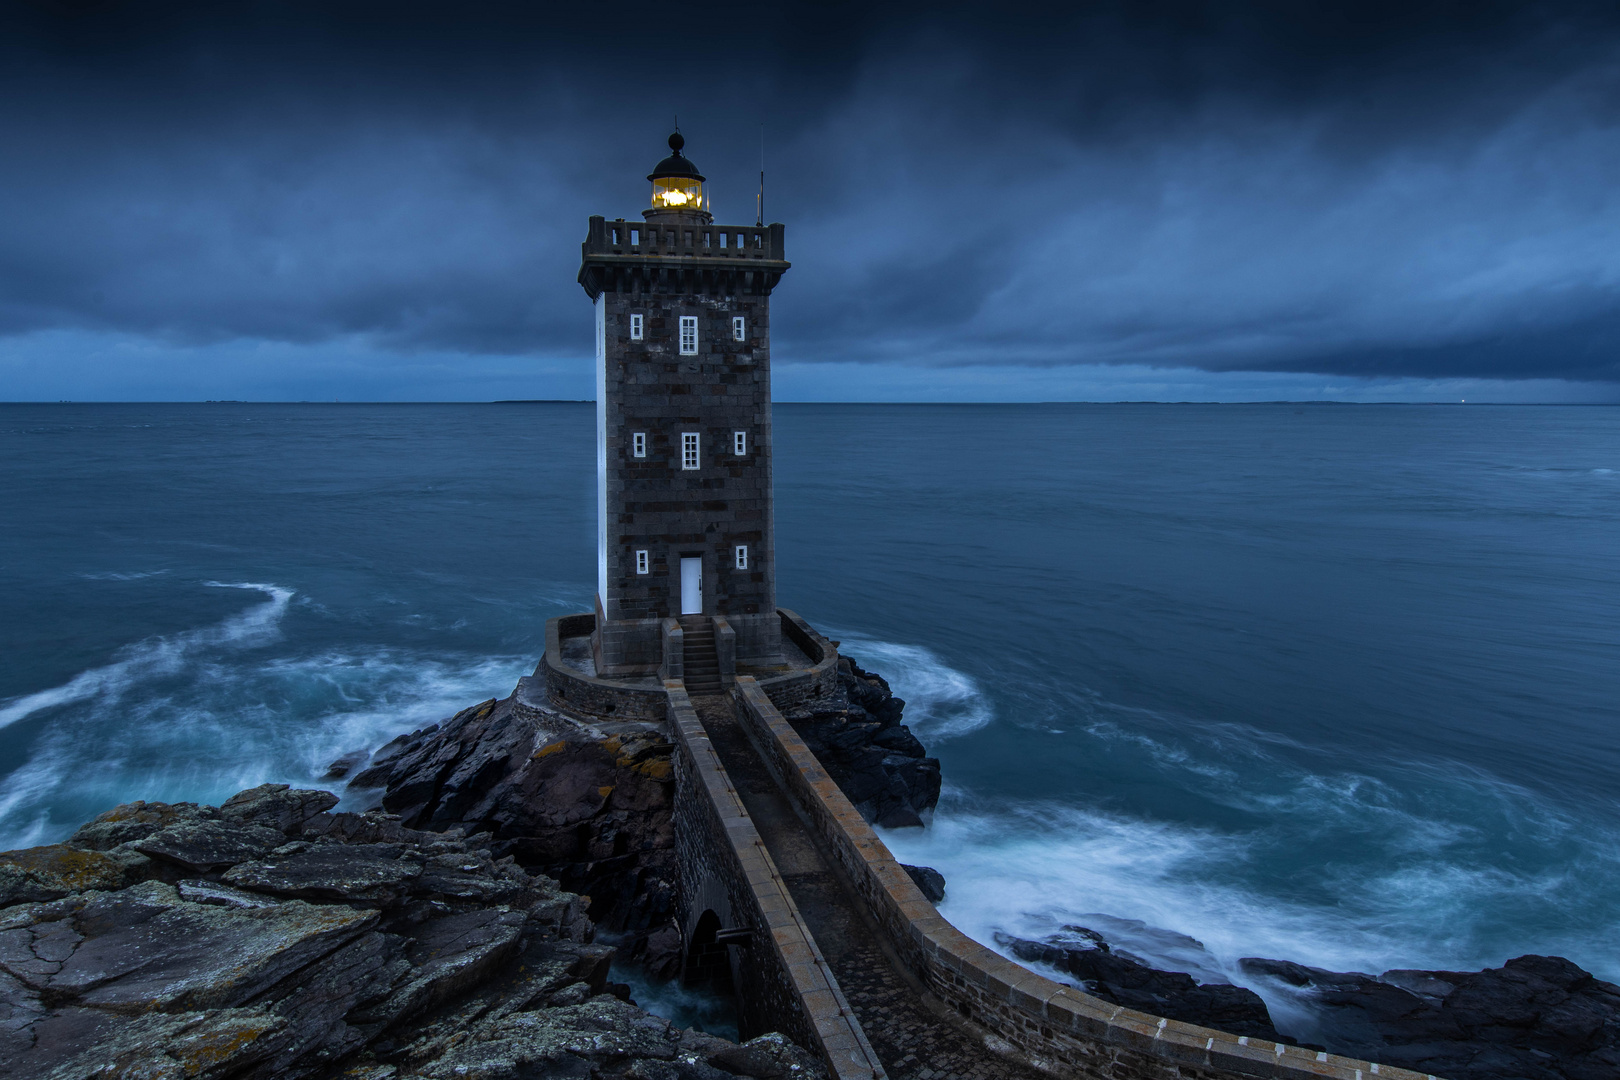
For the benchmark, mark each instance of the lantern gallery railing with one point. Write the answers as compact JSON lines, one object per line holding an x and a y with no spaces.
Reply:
{"x":681,"y":239}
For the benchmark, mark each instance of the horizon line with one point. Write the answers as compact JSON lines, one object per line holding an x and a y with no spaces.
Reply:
{"x":592,"y":401}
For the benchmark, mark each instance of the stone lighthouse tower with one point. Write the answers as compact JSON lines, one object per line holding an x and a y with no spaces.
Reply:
{"x":683,"y":429}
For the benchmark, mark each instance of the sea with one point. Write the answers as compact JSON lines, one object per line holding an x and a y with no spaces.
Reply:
{"x":1337,"y":684}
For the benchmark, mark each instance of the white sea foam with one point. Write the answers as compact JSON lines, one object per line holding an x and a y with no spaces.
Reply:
{"x":1032,"y":868}
{"x":687,"y":1007}
{"x":941,"y":702}
{"x":160,"y":655}
{"x":112,"y":575}
{"x":228,"y":727}
{"x":198,"y":716}
{"x":1414,"y":864}
{"x":1419,"y":890}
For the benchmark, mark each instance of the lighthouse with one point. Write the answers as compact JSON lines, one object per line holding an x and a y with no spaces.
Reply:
{"x":685,"y":544}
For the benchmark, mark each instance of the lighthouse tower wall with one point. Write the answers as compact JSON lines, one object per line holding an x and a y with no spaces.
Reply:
{"x":684,"y":480}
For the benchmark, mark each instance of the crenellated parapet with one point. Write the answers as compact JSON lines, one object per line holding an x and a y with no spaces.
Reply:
{"x":634,"y":256}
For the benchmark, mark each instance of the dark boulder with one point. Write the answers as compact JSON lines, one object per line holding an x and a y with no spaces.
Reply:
{"x":327,"y":871}
{"x":201,"y":846}
{"x":930,"y":882}
{"x":587,"y":803}
{"x":1537,"y":1017}
{"x":276,"y":806}
{"x":876,"y":761}
{"x":51,"y":872}
{"x":1126,"y":981}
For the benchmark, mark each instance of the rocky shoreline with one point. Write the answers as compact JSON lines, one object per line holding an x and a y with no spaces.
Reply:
{"x":449,"y":930}
{"x":589,"y":803}
{"x":1534,"y":1018}
{"x":271,"y":938}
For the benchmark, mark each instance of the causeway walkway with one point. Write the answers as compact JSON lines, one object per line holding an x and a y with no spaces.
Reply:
{"x":915,"y":1036}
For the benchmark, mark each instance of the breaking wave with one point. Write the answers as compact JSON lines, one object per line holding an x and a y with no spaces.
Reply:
{"x":1341,"y":872}
{"x":196,"y":717}
{"x":941,"y":702}
{"x":164,"y":655}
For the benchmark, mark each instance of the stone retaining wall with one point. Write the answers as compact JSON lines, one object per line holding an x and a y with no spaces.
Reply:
{"x":803,"y":687}
{"x":785,"y":984}
{"x":586,"y":693}
{"x":1055,"y":1027}
{"x":643,"y":699}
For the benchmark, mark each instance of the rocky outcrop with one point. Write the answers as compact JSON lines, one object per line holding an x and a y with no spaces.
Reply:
{"x":588,"y":804}
{"x":876,"y":761}
{"x":930,"y":882}
{"x":1125,"y":980}
{"x":186,"y":941}
{"x":1536,"y":1017}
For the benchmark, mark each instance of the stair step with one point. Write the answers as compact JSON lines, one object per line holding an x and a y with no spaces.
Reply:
{"x":701,"y":658}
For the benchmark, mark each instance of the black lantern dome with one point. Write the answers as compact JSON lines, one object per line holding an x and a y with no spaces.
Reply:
{"x":677,"y":186}
{"x":675,"y":164}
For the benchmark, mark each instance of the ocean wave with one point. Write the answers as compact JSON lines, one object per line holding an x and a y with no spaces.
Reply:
{"x":223,"y":727}
{"x":198,"y":716}
{"x":114,"y":575}
{"x":1287,"y":888}
{"x":941,"y":702}
{"x":163,"y":655}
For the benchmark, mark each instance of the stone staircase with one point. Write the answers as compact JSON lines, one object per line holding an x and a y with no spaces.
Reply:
{"x":700,"y":659}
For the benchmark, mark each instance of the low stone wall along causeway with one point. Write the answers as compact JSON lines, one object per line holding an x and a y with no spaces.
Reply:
{"x":1058,"y":1028}
{"x":785,"y":983}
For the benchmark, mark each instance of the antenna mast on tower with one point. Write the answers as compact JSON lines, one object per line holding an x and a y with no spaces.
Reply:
{"x":759,"y":205}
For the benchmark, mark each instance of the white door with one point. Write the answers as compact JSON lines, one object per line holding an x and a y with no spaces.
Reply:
{"x":691,"y":586}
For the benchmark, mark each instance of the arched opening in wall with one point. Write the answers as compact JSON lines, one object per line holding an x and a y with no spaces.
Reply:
{"x":708,"y":963}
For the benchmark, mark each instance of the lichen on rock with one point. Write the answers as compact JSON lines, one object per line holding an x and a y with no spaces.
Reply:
{"x":271,"y":938}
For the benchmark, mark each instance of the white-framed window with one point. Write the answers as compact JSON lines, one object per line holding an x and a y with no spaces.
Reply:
{"x":643,"y":563}
{"x":742,"y":556}
{"x":636,"y":326}
{"x":638,"y":444}
{"x":688,"y":335}
{"x":739,"y":328}
{"x":739,"y":443}
{"x":689,"y":449}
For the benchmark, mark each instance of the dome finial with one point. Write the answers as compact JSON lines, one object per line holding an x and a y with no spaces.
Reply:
{"x":677,"y":185}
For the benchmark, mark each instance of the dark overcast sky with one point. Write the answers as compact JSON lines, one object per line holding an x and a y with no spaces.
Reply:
{"x":386,"y":199}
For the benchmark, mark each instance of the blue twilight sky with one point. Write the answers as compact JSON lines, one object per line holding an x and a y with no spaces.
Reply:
{"x":1137,"y":200}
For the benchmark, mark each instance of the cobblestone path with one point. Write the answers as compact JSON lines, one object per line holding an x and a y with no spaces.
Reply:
{"x":914,"y":1035}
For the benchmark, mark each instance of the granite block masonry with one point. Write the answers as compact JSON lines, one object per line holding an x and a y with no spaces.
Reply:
{"x":683,"y":423}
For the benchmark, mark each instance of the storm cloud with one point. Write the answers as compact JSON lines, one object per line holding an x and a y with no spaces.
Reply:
{"x":1362,"y":189}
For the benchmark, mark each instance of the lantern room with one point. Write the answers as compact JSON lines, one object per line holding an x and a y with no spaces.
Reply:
{"x":677,"y":186}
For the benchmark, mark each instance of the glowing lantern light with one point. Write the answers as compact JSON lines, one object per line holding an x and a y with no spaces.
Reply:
{"x":676,"y":183}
